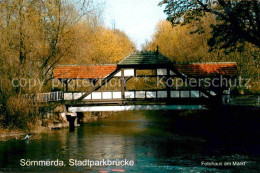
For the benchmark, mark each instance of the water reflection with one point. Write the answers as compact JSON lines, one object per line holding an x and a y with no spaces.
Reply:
{"x":156,"y":141}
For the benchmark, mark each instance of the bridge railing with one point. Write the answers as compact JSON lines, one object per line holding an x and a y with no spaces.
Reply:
{"x":136,"y":94}
{"x":116,"y":95}
{"x":47,"y":97}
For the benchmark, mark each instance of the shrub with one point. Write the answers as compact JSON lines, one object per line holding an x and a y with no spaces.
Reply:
{"x":20,"y":112}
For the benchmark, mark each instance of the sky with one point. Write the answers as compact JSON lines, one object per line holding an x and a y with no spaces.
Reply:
{"x":137,"y":18}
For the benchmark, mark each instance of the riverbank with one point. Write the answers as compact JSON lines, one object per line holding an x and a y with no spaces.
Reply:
{"x":50,"y":125}
{"x":19,"y":134}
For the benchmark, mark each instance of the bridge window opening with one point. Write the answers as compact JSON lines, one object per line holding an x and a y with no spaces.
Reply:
{"x":77,"y":95}
{"x":195,"y":94}
{"x":185,"y":94}
{"x":141,"y":83}
{"x":172,"y":73}
{"x":156,"y":83}
{"x":145,"y":73}
{"x":96,"y":95}
{"x":129,"y":72}
{"x":151,"y":94}
{"x":130,"y":94}
{"x":162,"y":72}
{"x":118,"y":74}
{"x":175,"y":94}
{"x":88,"y":97}
{"x":213,"y":93}
{"x":162,"y":94}
{"x":203,"y":95}
{"x":116,"y":95}
{"x":140,"y":94}
{"x":107,"y":95}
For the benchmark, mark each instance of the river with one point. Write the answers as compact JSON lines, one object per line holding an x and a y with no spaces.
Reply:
{"x":156,"y":142}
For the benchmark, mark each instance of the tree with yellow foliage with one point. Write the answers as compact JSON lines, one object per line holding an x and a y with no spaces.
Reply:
{"x":99,"y":46}
{"x":189,"y":43}
{"x":35,"y":36}
{"x":178,"y":44}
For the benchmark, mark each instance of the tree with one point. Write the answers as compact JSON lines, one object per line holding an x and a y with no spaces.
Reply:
{"x":59,"y":19}
{"x":37,"y":34}
{"x":34,"y":37}
{"x":238,"y":20}
{"x":176,"y":43}
{"x":98,"y":45}
{"x":110,"y":46}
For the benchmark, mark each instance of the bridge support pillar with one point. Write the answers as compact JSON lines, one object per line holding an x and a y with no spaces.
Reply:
{"x":71,"y":117}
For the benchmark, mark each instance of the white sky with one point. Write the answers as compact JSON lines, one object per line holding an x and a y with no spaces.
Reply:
{"x":137,"y":18}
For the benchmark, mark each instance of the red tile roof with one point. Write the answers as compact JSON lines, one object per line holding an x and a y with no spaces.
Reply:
{"x":83,"y":72}
{"x":101,"y":71}
{"x":209,"y":69}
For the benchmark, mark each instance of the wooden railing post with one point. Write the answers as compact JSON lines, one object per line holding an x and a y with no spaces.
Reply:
{"x":122,"y":84}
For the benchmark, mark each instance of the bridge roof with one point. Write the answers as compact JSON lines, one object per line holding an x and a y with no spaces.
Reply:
{"x":208,"y":69}
{"x":83,"y":72}
{"x":145,"y":58}
{"x":101,"y":71}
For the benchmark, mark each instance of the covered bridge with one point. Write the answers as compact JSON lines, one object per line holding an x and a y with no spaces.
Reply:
{"x":161,"y":65}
